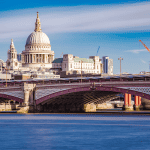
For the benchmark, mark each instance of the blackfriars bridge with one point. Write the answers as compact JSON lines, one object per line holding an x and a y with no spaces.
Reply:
{"x":75,"y":97}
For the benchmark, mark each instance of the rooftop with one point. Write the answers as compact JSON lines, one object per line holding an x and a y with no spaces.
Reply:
{"x":84,"y":60}
{"x":58,"y":60}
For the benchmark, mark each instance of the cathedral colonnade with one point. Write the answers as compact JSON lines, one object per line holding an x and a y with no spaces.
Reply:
{"x":38,"y":58}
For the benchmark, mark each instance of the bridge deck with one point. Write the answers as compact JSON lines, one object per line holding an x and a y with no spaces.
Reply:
{"x":43,"y":90}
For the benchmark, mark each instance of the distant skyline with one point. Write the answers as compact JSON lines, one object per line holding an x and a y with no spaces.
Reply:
{"x":80,"y":27}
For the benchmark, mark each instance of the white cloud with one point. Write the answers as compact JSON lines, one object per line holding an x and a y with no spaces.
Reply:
{"x":20,"y":23}
{"x":137,"y":51}
{"x":143,"y":61}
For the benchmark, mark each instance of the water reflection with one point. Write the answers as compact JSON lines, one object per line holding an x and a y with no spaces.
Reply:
{"x":74,"y":131}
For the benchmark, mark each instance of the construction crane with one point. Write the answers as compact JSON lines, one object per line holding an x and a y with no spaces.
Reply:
{"x":144,"y":45}
{"x":147,"y":49}
{"x":61,"y":54}
{"x":98,"y":50}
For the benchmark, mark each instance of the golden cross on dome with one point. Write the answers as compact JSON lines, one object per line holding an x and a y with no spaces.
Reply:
{"x":37,"y":24}
{"x":37,"y":14}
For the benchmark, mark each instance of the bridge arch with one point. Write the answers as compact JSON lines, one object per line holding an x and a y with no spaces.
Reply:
{"x":11,"y":97}
{"x":96,"y":88}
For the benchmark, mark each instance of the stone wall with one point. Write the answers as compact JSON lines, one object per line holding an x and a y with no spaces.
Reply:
{"x":104,"y":106}
{"x":8,"y":107}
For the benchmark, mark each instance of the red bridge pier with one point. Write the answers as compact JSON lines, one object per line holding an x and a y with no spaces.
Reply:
{"x":127,"y":102}
{"x":137,"y":102}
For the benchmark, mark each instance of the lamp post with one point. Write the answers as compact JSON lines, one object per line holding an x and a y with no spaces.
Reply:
{"x":120,"y":64}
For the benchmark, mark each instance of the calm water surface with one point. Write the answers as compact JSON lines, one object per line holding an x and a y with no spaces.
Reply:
{"x":74,"y":132}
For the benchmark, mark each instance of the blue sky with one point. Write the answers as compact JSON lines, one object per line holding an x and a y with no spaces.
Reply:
{"x":80,"y":27}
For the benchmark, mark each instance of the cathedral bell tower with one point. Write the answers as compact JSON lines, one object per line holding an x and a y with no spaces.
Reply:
{"x":12,"y":62}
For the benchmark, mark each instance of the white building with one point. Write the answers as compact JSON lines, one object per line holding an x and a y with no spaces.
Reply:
{"x":110,"y":66}
{"x":72,"y":63}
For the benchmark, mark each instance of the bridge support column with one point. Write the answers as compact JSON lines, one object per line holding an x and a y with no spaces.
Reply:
{"x":130,"y":106}
{"x":139,"y":100}
{"x":127,"y":102}
{"x":137,"y":103}
{"x":26,"y":97}
{"x":29,"y":98}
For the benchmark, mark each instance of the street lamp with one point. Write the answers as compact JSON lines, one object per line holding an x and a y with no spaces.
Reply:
{"x":120,"y":64}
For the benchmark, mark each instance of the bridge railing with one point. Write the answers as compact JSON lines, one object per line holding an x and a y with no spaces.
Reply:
{"x":69,"y":81}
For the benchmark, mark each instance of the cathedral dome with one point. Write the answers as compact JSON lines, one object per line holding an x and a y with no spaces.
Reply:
{"x":37,"y":38}
{"x":37,"y":51}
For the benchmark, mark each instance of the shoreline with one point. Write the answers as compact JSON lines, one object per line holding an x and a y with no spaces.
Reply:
{"x":100,"y":112}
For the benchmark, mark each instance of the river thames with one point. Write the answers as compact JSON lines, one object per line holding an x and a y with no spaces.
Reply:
{"x":74,"y":132}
